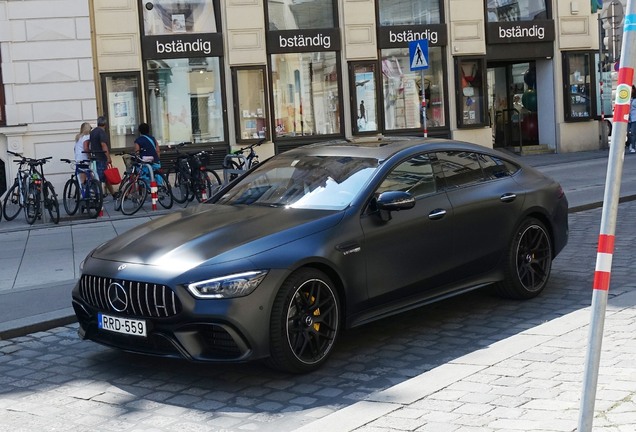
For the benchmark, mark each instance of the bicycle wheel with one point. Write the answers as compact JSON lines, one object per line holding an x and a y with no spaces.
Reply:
{"x":70,"y":199}
{"x":179,"y":186}
{"x":51,"y":204}
{"x":31,"y":208}
{"x":203,"y":187}
{"x":215,"y":181}
{"x":93,"y":198}
{"x":133,"y":197}
{"x":12,"y":205}
{"x":164,"y":194}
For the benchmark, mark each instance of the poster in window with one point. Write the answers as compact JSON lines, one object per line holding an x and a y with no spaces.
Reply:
{"x":178,"y":23}
{"x":122,"y":110}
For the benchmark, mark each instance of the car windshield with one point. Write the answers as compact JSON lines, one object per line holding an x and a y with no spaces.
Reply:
{"x":303,"y":182}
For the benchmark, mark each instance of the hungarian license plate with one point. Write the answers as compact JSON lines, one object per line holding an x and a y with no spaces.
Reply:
{"x":127,"y":326}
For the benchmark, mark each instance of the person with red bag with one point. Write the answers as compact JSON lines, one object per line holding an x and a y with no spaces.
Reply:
{"x":99,"y":143}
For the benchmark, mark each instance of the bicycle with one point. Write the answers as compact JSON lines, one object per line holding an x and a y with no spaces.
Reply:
{"x":191,"y":176}
{"x":136,"y":183}
{"x":235,"y":163}
{"x":87,"y":194}
{"x":31,"y":192}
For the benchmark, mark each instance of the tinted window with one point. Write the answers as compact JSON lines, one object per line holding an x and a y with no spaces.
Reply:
{"x":414,"y":176}
{"x":460,"y":168}
{"x":495,"y":167}
{"x":302,"y":181}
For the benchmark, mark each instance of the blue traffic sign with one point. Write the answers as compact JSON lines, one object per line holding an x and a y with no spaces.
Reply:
{"x":418,"y":54}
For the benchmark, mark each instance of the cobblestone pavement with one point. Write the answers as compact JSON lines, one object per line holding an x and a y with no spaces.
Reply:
{"x":52,"y":381}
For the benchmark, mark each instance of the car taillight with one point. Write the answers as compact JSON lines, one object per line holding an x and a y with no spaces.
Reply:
{"x":560,"y":192}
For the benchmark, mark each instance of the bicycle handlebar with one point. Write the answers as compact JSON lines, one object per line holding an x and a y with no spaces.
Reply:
{"x":249,"y":147}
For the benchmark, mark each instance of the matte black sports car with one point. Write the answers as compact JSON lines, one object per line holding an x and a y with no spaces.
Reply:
{"x":318,"y":239}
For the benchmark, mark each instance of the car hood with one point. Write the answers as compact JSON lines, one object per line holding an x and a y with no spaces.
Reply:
{"x":213,"y":234}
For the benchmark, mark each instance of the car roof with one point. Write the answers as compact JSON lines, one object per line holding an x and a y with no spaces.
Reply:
{"x":384,"y":147}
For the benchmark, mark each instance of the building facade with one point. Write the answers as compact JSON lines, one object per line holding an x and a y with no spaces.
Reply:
{"x":226,"y":73}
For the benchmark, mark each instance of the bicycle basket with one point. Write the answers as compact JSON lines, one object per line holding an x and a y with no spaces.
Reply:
{"x":200,"y":160}
{"x":127,"y":161}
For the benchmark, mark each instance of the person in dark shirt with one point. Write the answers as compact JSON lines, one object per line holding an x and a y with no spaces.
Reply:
{"x":99,"y":144}
{"x":146,"y":145}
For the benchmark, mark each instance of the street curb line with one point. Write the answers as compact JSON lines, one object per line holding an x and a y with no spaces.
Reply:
{"x":37,"y":323}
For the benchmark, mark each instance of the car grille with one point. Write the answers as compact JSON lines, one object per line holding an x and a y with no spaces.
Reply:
{"x":141,"y":299}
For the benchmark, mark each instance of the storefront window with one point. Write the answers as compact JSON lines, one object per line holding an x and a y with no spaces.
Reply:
{"x":249,"y":100}
{"x":471,"y":103}
{"x":163,"y":17}
{"x":516,"y":10}
{"x":402,"y":90}
{"x":184,"y":99}
{"x":363,"y":79}
{"x":122,"y":92}
{"x":300,"y":15}
{"x":604,"y":88}
{"x":306,"y":96}
{"x":409,"y":12}
{"x":3,"y":119}
{"x":578,"y":79}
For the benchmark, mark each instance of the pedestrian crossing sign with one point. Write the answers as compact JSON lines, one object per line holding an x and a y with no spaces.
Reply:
{"x":418,"y":54}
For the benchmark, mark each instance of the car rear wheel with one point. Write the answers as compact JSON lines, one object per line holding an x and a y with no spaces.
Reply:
{"x":305,"y":322}
{"x":529,"y":262}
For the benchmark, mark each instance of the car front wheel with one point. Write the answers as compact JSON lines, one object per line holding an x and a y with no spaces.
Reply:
{"x":529,"y":262}
{"x":305,"y":322}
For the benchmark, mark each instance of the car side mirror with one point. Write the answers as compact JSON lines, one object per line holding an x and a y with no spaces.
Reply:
{"x":395,"y":201}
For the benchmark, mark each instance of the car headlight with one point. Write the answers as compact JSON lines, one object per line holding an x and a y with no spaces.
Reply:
{"x":230,"y":286}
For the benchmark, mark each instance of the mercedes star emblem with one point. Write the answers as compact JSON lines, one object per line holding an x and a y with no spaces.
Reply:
{"x":117,"y":297}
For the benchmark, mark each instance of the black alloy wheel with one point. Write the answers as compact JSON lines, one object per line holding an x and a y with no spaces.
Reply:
{"x":529,"y":262}
{"x":305,"y":322}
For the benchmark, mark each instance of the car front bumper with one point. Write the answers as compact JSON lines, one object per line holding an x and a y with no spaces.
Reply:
{"x":178,"y":324}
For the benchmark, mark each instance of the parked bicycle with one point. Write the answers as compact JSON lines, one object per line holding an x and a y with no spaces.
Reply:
{"x":31,"y":192}
{"x":190,"y":176}
{"x":86,"y":195}
{"x":235,"y":163}
{"x":136,"y":184}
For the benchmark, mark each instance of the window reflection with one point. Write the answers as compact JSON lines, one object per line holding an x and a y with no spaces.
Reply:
{"x":178,"y":16}
{"x":516,"y":10}
{"x":306,"y":99}
{"x":303,"y":182}
{"x":409,"y":12}
{"x":300,"y":14}
{"x":402,"y":90}
{"x":184,"y":96}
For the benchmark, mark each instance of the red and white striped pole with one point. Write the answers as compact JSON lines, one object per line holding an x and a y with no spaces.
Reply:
{"x":605,"y":249}
{"x":153,"y":189}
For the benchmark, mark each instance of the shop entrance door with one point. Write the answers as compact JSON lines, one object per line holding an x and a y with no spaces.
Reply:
{"x":512,"y":104}
{"x":363,"y":97}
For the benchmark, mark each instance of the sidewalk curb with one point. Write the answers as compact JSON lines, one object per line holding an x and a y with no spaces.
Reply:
{"x":37,"y":323}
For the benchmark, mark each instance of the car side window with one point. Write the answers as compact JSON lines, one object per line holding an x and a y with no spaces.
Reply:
{"x":496,"y":168}
{"x":414,"y":175}
{"x":460,"y":168}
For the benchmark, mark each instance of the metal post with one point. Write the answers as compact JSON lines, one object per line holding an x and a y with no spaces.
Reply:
{"x":424,"y":126}
{"x":608,"y":219}
{"x":600,"y":74}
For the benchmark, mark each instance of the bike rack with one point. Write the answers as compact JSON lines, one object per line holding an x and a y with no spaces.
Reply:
{"x":228,"y":172}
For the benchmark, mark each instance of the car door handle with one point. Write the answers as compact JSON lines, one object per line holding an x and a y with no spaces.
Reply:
{"x":437,"y":214}
{"x":508,"y":197}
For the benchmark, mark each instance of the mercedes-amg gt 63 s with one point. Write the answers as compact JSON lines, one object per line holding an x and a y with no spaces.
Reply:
{"x":319,"y":239}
